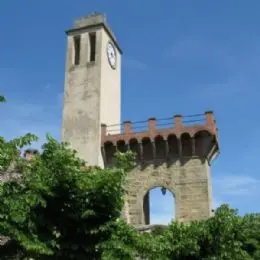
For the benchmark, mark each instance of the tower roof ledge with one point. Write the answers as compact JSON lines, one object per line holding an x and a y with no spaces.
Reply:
{"x":95,"y":19}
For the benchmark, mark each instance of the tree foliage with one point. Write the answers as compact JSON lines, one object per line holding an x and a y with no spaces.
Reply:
{"x":57,"y":208}
{"x":2,"y":99}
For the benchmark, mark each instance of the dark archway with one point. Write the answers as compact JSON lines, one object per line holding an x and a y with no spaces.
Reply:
{"x":160,"y":147}
{"x":110,"y":150}
{"x":121,"y":146}
{"x":203,"y":140}
{"x":186,"y":144}
{"x":173,"y":145}
{"x":134,"y":147}
{"x":147,"y":149}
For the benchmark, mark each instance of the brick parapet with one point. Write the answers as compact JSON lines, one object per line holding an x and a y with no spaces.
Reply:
{"x":178,"y":128}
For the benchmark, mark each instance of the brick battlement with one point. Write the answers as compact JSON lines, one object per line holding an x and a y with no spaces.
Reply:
{"x":201,"y":122}
{"x":179,"y":136}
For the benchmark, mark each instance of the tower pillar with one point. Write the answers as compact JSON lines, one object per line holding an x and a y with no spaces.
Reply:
{"x":92,"y":91}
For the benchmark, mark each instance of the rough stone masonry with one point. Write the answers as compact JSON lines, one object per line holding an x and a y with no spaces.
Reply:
{"x":176,"y":158}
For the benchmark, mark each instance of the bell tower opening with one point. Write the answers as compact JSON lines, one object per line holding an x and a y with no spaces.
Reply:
{"x":159,"y":206}
{"x":92,"y":43}
{"x":76,"y":40}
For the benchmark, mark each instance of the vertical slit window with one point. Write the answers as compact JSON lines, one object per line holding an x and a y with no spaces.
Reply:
{"x":77,"y":50}
{"x":92,"y":41}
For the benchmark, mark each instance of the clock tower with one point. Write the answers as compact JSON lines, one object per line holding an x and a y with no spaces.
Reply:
{"x":92,"y":92}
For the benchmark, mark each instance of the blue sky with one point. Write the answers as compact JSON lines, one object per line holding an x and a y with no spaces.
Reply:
{"x":180,"y":57}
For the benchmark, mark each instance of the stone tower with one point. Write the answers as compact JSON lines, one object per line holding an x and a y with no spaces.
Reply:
{"x":92,"y":91}
{"x":173,"y":153}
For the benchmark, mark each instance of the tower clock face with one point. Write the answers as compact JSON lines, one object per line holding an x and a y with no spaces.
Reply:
{"x":111,"y":55}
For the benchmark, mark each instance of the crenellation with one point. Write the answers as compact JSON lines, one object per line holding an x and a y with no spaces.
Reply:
{"x":191,"y":191}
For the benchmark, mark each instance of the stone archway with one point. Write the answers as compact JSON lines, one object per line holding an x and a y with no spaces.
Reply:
{"x":189,"y":182}
{"x":139,"y":182}
{"x":159,"y":206}
{"x":143,"y":197}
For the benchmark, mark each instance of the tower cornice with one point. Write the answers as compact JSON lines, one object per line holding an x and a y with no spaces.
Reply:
{"x":94,"y":22}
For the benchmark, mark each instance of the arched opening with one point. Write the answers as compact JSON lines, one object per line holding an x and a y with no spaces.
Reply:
{"x":158,"y":206}
{"x":160,"y":147}
{"x":186,"y":144}
{"x":203,"y":141}
{"x":30,"y":153}
{"x":173,"y":145}
{"x":134,"y":147}
{"x":147,"y":149}
{"x":121,"y":146}
{"x":110,"y":150}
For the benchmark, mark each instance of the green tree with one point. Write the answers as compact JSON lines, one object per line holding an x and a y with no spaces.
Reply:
{"x":58,"y":207}
{"x":55,"y":207}
{"x":225,"y":236}
{"x":2,"y":99}
{"x":250,"y":237}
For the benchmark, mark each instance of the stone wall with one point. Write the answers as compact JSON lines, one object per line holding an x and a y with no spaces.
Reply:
{"x":92,"y":89}
{"x":189,"y":181}
{"x":176,"y":158}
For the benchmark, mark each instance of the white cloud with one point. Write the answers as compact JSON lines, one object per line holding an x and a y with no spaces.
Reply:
{"x":239,"y":67}
{"x":237,"y":185}
{"x":134,"y":64}
{"x":49,"y":86}
{"x":239,"y":191}
{"x":20,"y":118}
{"x":192,"y":48}
{"x":21,"y":110}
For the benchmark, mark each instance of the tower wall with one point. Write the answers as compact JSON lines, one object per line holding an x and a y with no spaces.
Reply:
{"x":189,"y":182}
{"x":92,"y":88}
{"x":111,"y":88}
{"x":81,"y":109}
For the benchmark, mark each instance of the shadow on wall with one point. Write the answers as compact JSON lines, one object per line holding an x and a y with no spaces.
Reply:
{"x":161,"y":147}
